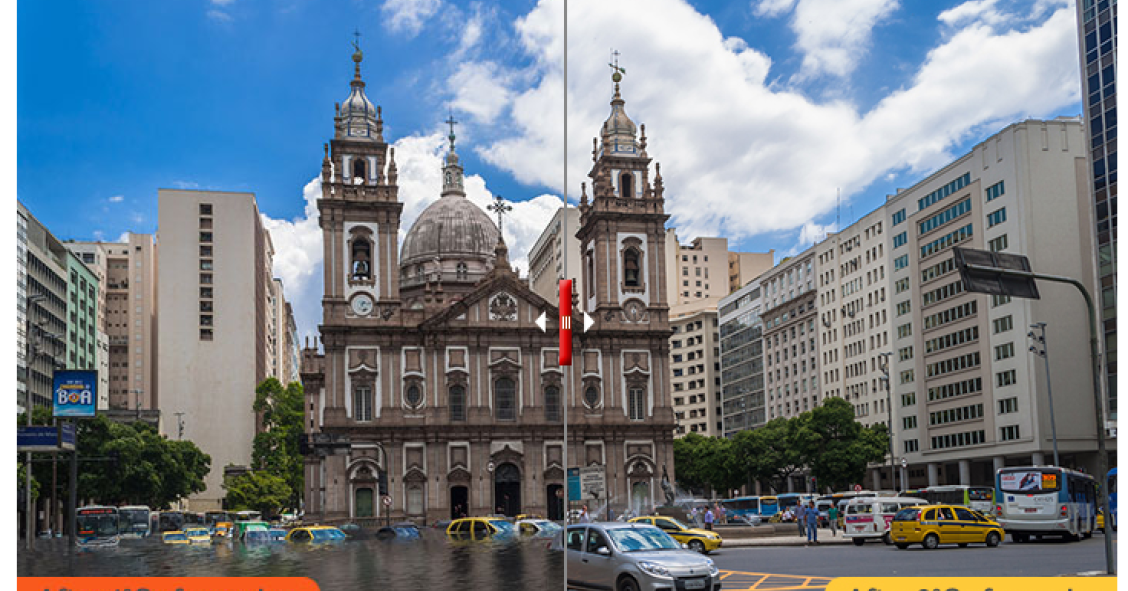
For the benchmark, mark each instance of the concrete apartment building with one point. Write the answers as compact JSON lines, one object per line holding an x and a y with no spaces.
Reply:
{"x":969,"y":398}
{"x":854,"y":315}
{"x":695,"y":368}
{"x":742,"y":360}
{"x":283,"y":338}
{"x":705,"y":269}
{"x":82,"y":321}
{"x":1096,"y":30}
{"x":128,"y":319}
{"x":21,"y":304}
{"x":546,"y":258}
{"x":45,"y":302}
{"x":213,"y":285}
{"x":790,"y":341}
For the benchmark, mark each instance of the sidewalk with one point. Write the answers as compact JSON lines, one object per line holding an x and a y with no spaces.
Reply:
{"x":791,"y":540}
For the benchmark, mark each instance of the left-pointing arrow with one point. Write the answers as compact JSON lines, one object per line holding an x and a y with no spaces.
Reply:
{"x":542,"y":322}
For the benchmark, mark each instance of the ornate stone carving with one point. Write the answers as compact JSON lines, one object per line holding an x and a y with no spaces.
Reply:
{"x":503,"y":307}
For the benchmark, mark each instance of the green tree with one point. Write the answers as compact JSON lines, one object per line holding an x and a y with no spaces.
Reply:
{"x":780,"y":451}
{"x":257,"y":491}
{"x":687,"y":468}
{"x":838,"y":447}
{"x":276,"y":449}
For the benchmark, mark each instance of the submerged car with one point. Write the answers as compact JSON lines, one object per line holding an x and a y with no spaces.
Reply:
{"x":398,"y":531}
{"x":197,"y":535}
{"x":538,"y":528}
{"x":174,"y":537}
{"x":315,"y":534}
{"x":632,"y":557}
{"x":479,"y":528}
{"x":698,"y":540}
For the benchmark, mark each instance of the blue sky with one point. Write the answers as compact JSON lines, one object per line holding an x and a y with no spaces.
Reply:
{"x":760,"y":110}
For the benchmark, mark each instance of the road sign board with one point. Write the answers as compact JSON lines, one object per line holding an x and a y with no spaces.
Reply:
{"x":574,"y":484}
{"x":387,"y":501}
{"x":986,"y":273}
{"x":67,"y":436}
{"x":857,"y":488}
{"x":37,"y":438}
{"x":75,"y":392}
{"x":593,"y":482}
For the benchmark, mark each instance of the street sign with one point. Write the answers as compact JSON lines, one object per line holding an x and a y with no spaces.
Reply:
{"x":983,"y":271}
{"x":387,"y":501}
{"x":38,"y":438}
{"x":593,"y":482}
{"x":574,"y":484}
{"x":67,"y":436}
{"x":857,"y":488}
{"x":75,"y":392}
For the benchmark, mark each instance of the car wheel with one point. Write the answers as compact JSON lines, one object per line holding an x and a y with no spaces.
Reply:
{"x":697,"y":546}
{"x":859,"y":541}
{"x":902,"y":546}
{"x":628,"y":584}
{"x":888,"y":539}
{"x":993,"y":539}
{"x":931,"y":541}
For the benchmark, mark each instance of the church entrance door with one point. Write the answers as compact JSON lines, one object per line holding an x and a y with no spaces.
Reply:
{"x":555,"y":502}
{"x":459,"y":502}
{"x":507,"y":489}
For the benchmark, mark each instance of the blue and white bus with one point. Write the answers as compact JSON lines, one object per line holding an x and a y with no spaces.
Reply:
{"x":97,"y":526}
{"x":1046,"y":500}
{"x":792,"y":500}
{"x":136,"y":521}
{"x":1112,"y":495}
{"x":744,"y":507}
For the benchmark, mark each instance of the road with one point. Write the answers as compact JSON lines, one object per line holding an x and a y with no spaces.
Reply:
{"x":1044,"y":558}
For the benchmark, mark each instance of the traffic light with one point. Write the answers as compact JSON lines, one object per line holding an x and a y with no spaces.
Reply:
{"x":383,"y":483}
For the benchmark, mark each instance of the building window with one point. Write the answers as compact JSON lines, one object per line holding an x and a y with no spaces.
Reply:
{"x":462,"y":271}
{"x":999,"y":300}
{"x":205,"y":209}
{"x":998,"y":244}
{"x":205,"y":236}
{"x":996,"y":217}
{"x":205,"y":320}
{"x":505,"y":399}
{"x":362,"y":403}
{"x":1008,"y":433}
{"x":413,"y":396}
{"x":900,"y":239}
{"x":1003,"y":324}
{"x":636,"y":400}
{"x":909,"y":422}
{"x":626,"y":188}
{"x":995,"y":190}
{"x":552,"y":407}
{"x":358,"y":168}
{"x":898,"y":217}
{"x":205,"y":250}
{"x":361,"y":259}
{"x":1004,"y":351}
{"x":591,"y":396}
{"x":911,"y":445}
{"x":205,"y":334}
{"x":1008,"y":405}
{"x":206,"y":292}
{"x":457,"y":403}
{"x":901,"y":262}
{"x":1006,"y":378}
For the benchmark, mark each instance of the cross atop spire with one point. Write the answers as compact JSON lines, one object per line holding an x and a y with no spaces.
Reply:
{"x":501,"y":208}
{"x":356,"y":43}
{"x":450,"y":121}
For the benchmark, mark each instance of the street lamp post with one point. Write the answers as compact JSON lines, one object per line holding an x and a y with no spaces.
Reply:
{"x":31,"y":352}
{"x":1040,"y":339}
{"x":889,"y":411}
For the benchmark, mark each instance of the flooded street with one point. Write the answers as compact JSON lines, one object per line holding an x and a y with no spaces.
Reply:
{"x":432,"y":562}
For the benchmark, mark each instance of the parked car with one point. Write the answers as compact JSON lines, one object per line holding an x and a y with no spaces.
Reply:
{"x":479,"y":528}
{"x":632,"y":557}
{"x":698,"y":540}
{"x":399,"y":531}
{"x":316,"y":534}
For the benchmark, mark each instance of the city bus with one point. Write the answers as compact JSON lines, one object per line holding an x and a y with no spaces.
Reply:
{"x":792,"y":500}
{"x":213,"y":517}
{"x":97,"y":526}
{"x":743,"y":507}
{"x":136,"y":521}
{"x":980,"y":498}
{"x":248,"y":516}
{"x":1046,"y":500}
{"x":171,"y":521}
{"x":769,"y":505}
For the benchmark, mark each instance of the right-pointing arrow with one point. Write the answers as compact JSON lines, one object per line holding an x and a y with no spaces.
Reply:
{"x":542,"y":322}
{"x":588,"y":321}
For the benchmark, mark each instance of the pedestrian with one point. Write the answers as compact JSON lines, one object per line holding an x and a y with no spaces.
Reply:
{"x":724,"y":514}
{"x":832,"y":516}
{"x":812,"y":515}
{"x":709,"y":519}
{"x":693,"y":515}
{"x":610,"y":514}
{"x":800,"y":513}
{"x":584,"y":517}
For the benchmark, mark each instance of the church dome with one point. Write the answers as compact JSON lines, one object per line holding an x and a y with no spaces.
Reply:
{"x":618,"y":131}
{"x":358,"y":115}
{"x":452,"y":228}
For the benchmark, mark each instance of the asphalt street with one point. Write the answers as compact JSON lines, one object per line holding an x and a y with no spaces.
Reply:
{"x":1049,"y":557}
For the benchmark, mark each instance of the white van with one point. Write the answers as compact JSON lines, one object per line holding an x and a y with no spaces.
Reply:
{"x":869,"y":517}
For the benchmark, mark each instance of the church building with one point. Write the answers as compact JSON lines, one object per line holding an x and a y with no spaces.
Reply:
{"x":435,"y":394}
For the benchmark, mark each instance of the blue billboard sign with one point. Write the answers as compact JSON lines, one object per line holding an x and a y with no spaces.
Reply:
{"x":37,"y":438}
{"x":75,"y":392}
{"x":573,"y":484}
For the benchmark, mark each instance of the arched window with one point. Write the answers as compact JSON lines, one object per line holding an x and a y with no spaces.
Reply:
{"x":636,"y":401}
{"x":626,"y":185}
{"x":457,"y":403}
{"x":413,"y":396}
{"x":362,"y":403}
{"x":361,"y":259}
{"x":631,"y":268}
{"x":461,"y":270}
{"x":358,"y":168}
{"x":591,"y":396}
{"x":590,"y":279}
{"x":552,"y":408}
{"x":505,"y":399}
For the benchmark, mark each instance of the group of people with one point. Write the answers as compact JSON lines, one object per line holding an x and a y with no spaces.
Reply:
{"x":708,"y":515}
{"x":807,"y":518}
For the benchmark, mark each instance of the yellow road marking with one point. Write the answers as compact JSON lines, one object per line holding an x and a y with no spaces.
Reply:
{"x":749,"y":581}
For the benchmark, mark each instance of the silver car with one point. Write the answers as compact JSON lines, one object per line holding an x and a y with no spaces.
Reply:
{"x":633,"y":557}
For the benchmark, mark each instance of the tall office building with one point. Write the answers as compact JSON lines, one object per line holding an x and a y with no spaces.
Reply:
{"x":21,"y":303}
{"x":742,"y":360}
{"x":213,"y":285}
{"x":127,"y":303}
{"x":695,"y":368}
{"x":790,"y":350}
{"x":854,"y":315}
{"x":546,"y":259}
{"x":45,"y":301}
{"x":1096,"y":27}
{"x":706,"y":269}
{"x":968,"y":396}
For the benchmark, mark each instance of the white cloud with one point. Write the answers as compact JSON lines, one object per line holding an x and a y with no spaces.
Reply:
{"x":408,"y":16}
{"x":479,"y":88}
{"x":117,"y":199}
{"x":970,"y":11}
{"x":834,"y":34}
{"x":773,"y":7}
{"x":734,"y":149}
{"x":222,"y":2}
{"x":219,"y":16}
{"x":298,"y":242}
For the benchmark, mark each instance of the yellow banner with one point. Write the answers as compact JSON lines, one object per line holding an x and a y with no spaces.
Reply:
{"x":973,"y":584}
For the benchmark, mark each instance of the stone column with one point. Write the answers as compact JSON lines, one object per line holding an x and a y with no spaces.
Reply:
{"x":790,"y":484}
{"x":1038,"y":458}
{"x":998,"y":462}
{"x":965,"y":472}
{"x":875,"y":478}
{"x":933,"y":474}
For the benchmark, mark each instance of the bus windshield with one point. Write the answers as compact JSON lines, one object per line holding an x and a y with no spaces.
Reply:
{"x":97,"y":524}
{"x":134,"y":519}
{"x":1030,"y":481}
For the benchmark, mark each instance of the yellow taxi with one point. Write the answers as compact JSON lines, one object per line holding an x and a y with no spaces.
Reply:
{"x":197,"y":535}
{"x":480,"y":528}
{"x":174,"y":537}
{"x":932,"y":525}
{"x":315,"y":534}
{"x":697,"y":539}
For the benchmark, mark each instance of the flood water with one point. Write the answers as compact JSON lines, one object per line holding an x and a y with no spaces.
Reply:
{"x":432,"y":562}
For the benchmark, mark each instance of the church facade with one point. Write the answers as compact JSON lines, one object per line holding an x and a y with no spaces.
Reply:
{"x":434,"y":393}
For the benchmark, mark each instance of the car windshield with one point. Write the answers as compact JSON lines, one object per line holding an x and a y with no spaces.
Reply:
{"x":502,"y":526}
{"x":176,"y":537}
{"x":327,"y":535}
{"x":641,"y":539}
{"x":909,"y":514}
{"x":257,"y":535}
{"x":548,"y":526}
{"x":196,"y":532}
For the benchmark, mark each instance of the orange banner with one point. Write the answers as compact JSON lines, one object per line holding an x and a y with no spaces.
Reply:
{"x":165,"y":584}
{"x":973,"y":584}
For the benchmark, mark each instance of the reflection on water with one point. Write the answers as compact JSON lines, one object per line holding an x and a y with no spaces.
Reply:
{"x":428,"y":563}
